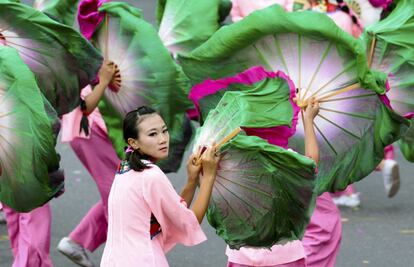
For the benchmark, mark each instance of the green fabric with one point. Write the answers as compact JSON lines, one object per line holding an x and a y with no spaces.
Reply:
{"x":149,"y":77}
{"x":185,"y":24}
{"x":256,"y":40}
{"x":63,"y":11}
{"x":232,"y":48}
{"x":61,"y":59}
{"x":363,"y":157}
{"x":263,"y":104}
{"x":406,"y":143}
{"x":263,"y":194}
{"x":27,"y":142}
{"x":394,"y":55}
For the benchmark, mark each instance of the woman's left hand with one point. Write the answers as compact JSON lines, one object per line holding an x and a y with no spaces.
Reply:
{"x":193,"y":170}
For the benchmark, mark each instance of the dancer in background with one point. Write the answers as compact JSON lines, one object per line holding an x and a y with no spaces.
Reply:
{"x":97,"y":154}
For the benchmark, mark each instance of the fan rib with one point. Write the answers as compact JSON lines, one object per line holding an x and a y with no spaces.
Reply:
{"x":340,"y":127}
{"x":331,"y":80}
{"x":325,"y":54}
{"x":268,"y":66}
{"x":348,"y":113}
{"x":348,"y":97}
{"x":279,"y":49}
{"x":325,"y":139}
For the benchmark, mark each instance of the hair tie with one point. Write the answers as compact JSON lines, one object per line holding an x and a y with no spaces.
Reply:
{"x":129,"y":149}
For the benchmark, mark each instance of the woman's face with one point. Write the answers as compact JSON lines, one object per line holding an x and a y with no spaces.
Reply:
{"x":153,"y":138}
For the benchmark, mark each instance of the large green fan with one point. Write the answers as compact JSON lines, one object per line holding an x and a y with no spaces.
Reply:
{"x":390,"y":48}
{"x":324,"y":62}
{"x":148,"y":72}
{"x":61,"y":59}
{"x":29,"y":164}
{"x":263,"y":194}
{"x":63,"y":11}
{"x":185,"y":24}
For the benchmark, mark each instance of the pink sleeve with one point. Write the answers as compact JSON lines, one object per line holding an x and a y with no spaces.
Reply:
{"x":178,"y":223}
{"x":235,"y":12}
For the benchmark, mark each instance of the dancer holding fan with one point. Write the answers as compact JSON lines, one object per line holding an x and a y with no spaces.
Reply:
{"x":91,"y":231}
{"x":146,"y":216}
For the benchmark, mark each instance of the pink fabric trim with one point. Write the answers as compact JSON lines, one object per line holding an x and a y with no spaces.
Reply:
{"x":278,"y":254}
{"x":409,"y":115}
{"x":384,"y":97}
{"x":380,"y":3}
{"x":349,"y":190}
{"x":389,"y":152}
{"x":89,"y":17}
{"x":275,"y":135}
{"x":192,"y":114}
{"x":298,"y":263}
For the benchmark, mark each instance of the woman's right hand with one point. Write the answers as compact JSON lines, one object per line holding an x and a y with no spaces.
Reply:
{"x":209,"y":161}
{"x":107,"y":72}
{"x":312,"y":109}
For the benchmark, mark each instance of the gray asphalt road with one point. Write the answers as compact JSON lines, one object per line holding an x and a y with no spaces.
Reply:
{"x":380,"y":233}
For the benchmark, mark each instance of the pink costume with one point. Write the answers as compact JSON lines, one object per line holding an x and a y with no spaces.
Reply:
{"x":100,"y":159}
{"x":323,"y":234}
{"x":134,"y":198}
{"x":242,"y":8}
{"x":29,"y":235}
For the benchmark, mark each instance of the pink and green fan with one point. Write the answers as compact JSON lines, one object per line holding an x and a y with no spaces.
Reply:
{"x":29,"y":164}
{"x":277,"y":106}
{"x":149,"y":75}
{"x":263,"y":194}
{"x":390,"y":49}
{"x":61,"y":59}
{"x":353,"y":125}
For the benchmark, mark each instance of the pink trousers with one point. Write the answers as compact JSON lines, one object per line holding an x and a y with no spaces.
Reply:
{"x":323,"y":235}
{"x":100,"y":159}
{"x":298,"y":263}
{"x":29,"y":235}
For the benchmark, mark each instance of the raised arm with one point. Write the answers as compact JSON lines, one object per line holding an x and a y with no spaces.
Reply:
{"x":106,"y":75}
{"x":311,"y":144}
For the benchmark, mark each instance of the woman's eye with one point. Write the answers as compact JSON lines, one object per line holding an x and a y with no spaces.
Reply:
{"x":165,"y":131}
{"x":152,"y":134}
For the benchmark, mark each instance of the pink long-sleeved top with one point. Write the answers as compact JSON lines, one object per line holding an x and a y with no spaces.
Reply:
{"x":135,"y":199}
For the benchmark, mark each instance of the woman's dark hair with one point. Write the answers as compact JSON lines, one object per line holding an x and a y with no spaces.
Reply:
{"x":130,"y":127}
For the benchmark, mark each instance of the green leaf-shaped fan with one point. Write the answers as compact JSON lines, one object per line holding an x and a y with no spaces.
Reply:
{"x":61,"y":59}
{"x":149,"y":77}
{"x":390,"y":48}
{"x":263,"y":194}
{"x":63,"y":11}
{"x":353,"y":125}
{"x":28,"y":161}
{"x":185,"y":24}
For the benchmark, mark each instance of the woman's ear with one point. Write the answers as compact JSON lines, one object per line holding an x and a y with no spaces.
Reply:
{"x":133,"y":143}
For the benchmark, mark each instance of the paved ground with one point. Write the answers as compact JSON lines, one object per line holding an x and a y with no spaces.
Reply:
{"x":380,"y":233}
